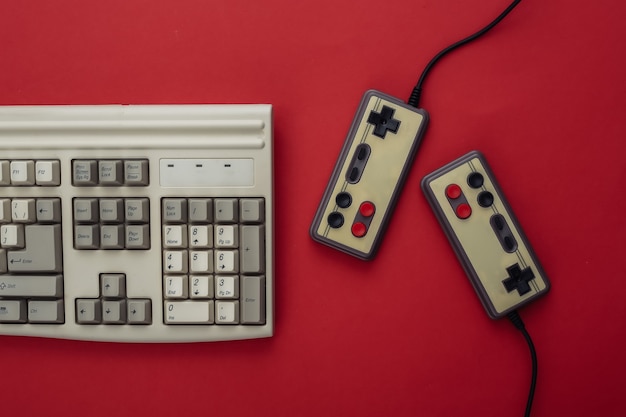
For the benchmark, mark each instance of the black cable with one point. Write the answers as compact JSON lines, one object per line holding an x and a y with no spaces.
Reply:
{"x":417,"y":90}
{"x":519,"y":324}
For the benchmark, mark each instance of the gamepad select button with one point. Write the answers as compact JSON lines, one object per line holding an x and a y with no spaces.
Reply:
{"x":485,"y":199}
{"x":343,"y":199}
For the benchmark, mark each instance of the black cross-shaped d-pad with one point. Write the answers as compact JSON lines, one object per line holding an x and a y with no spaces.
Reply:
{"x":383,"y":121}
{"x":518,"y":279}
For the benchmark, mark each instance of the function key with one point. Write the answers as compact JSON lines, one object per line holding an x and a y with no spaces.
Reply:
{"x":48,"y":173}
{"x":23,"y":172}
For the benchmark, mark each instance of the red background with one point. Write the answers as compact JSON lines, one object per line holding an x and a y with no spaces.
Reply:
{"x":542,"y":95}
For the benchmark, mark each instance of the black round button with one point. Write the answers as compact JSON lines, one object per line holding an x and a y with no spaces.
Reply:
{"x":485,"y":199}
{"x":475,"y":180}
{"x":343,"y":199}
{"x":335,"y":220}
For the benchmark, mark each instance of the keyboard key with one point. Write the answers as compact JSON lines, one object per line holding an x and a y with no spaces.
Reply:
{"x":113,"y":311}
{"x":84,"y":172}
{"x":48,"y":173}
{"x":174,"y":210}
{"x":200,"y":210}
{"x":137,"y":210}
{"x":175,"y":286}
{"x":113,"y":285}
{"x":5,"y":210}
{"x":252,"y":249}
{"x":201,"y":261}
{"x":136,"y":172}
{"x":201,"y":286}
{"x":110,"y":172}
{"x":200,"y":236}
{"x":48,"y":210}
{"x":46,"y":311}
{"x":111,"y":210}
{"x":226,"y":210}
{"x":43,"y":251}
{"x":175,"y":261}
{"x":112,"y":236}
{"x":226,"y":236}
{"x":12,"y":311}
{"x":139,"y":311}
{"x":12,"y":235}
{"x":88,"y":311}
{"x":86,"y":236}
{"x":86,"y":210}
{"x":137,"y":236}
{"x":5,"y":173}
{"x":252,"y":300}
{"x":252,"y":210}
{"x":22,"y":172}
{"x":226,"y":261}
{"x":23,"y":210}
{"x":226,"y":287}
{"x":31,"y":286}
{"x":189,"y":312}
{"x":174,"y":236}
{"x":226,"y":312}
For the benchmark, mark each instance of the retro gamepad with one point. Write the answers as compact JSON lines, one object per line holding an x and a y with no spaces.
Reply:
{"x":369,"y":174}
{"x":485,"y":234}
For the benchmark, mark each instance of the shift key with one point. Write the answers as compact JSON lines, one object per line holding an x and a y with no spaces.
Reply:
{"x":41,"y":253}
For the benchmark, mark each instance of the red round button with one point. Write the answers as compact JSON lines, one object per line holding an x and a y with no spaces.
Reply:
{"x":453,"y":191}
{"x":367,"y":209}
{"x":463,"y":211}
{"x":359,"y":229}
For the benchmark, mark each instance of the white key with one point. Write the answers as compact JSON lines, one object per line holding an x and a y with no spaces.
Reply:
{"x":23,"y":211}
{"x":227,"y":312}
{"x":175,"y":261}
{"x":188,"y":312}
{"x":175,"y":286}
{"x":48,"y":173}
{"x":174,"y":236}
{"x":226,"y":261}
{"x":201,"y":261}
{"x":201,"y":286}
{"x":200,"y":236}
{"x":23,"y":172}
{"x":12,"y":235}
{"x":226,"y":236}
{"x":227,"y":287}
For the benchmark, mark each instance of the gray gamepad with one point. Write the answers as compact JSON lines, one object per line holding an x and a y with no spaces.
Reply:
{"x":485,"y":234}
{"x":369,"y":174}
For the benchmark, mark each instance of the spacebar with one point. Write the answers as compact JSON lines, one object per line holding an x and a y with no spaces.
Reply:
{"x":31,"y":286}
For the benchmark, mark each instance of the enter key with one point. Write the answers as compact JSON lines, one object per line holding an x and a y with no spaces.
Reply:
{"x":42,"y":251}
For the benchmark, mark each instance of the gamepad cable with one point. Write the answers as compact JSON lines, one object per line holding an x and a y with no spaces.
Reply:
{"x":515,"y":318}
{"x":417,"y":90}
